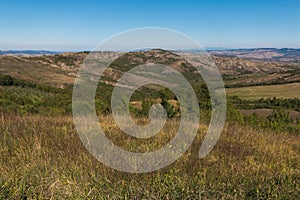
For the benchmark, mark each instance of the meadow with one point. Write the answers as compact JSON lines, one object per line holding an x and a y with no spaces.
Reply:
{"x":290,"y":90}
{"x":42,"y":157}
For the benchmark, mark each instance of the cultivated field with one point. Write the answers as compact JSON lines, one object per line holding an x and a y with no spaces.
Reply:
{"x":256,"y":92}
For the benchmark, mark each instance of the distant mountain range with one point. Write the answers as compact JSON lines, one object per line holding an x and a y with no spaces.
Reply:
{"x":28,"y":52}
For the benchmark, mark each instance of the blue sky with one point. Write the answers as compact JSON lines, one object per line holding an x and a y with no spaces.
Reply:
{"x":80,"y":25}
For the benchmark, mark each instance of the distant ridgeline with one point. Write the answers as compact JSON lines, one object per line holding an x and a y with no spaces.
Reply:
{"x":28,"y":52}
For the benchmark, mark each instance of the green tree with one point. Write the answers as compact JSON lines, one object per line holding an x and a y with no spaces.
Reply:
{"x":146,"y":105}
{"x":6,"y":80}
{"x":278,"y":120}
{"x":169,"y":107}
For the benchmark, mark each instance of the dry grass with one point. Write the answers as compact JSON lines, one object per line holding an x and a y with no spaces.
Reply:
{"x":43,"y":158}
{"x":25,"y":69}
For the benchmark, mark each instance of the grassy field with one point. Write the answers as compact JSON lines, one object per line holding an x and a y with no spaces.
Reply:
{"x":43,"y":158}
{"x":256,"y":92}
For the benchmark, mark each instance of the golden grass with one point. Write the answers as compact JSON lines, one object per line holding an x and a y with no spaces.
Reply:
{"x":43,"y":158}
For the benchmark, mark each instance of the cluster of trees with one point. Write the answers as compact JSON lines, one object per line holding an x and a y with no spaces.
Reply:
{"x":279,"y":120}
{"x":7,"y":80}
{"x":35,"y":103}
{"x":165,"y":97}
{"x":279,"y":81}
{"x":272,"y":103}
{"x":26,"y":97}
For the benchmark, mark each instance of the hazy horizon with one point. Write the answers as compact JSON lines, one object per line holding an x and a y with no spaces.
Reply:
{"x":206,"y":48}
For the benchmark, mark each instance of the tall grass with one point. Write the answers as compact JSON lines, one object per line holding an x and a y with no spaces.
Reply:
{"x":43,"y":158}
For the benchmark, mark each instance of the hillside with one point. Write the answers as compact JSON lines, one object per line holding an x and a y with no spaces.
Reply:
{"x":265,"y":54}
{"x":61,"y":69}
{"x":35,"y":70}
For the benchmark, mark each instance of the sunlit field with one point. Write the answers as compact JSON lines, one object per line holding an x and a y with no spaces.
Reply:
{"x":266,"y":91}
{"x":43,"y":158}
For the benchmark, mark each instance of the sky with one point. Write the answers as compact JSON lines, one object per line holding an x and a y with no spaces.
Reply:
{"x":80,"y":25}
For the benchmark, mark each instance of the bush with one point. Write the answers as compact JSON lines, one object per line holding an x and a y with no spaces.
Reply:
{"x":6,"y":80}
{"x":278,"y":120}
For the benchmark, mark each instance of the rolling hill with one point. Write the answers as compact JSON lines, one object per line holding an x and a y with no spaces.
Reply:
{"x":61,"y":69}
